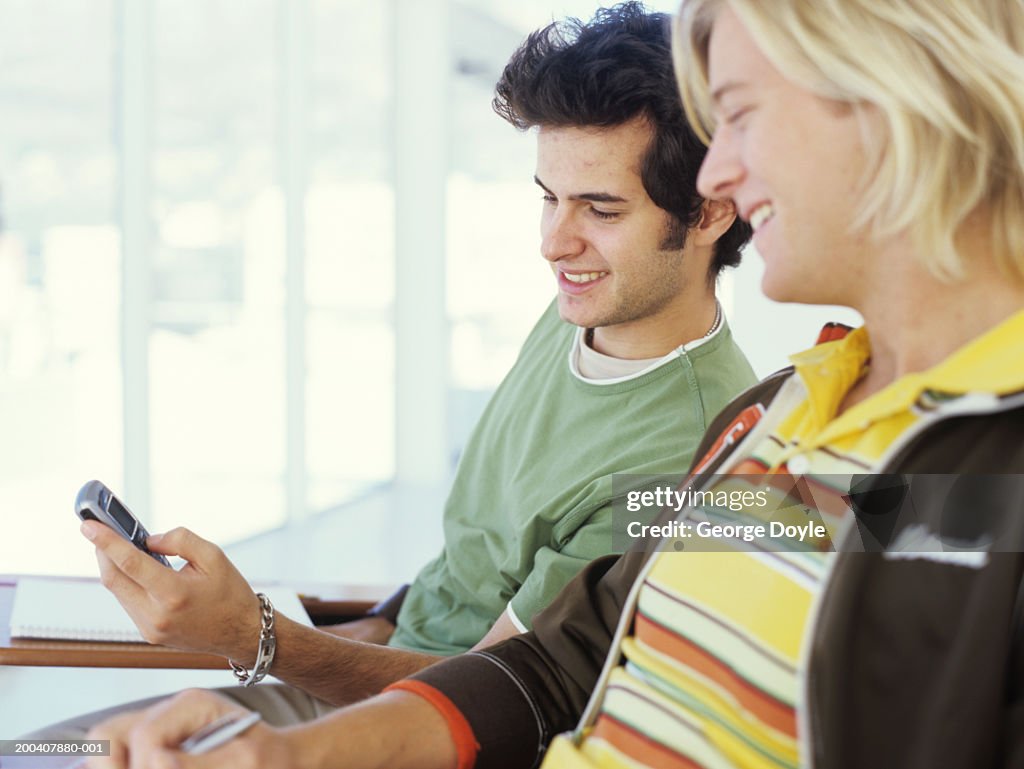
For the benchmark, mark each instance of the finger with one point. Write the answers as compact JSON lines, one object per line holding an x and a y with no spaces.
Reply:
{"x":249,"y":750}
{"x":116,"y":731}
{"x":127,"y":592}
{"x":239,"y":753}
{"x":154,"y":740}
{"x":131,"y":561}
{"x":124,"y":588}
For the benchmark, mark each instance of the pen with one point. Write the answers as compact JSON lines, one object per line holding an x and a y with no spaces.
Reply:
{"x":216,"y":733}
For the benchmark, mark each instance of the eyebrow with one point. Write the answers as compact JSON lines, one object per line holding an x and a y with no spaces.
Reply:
{"x":593,"y":197}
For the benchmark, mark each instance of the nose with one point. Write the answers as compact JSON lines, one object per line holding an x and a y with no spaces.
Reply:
{"x":560,"y":236}
{"x":721,"y":172}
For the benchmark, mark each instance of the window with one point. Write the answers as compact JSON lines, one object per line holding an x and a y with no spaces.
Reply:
{"x":60,"y":266}
{"x":203,"y":162}
{"x":216,"y":346}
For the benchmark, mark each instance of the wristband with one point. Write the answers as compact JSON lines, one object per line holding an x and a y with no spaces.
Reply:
{"x":265,"y":654}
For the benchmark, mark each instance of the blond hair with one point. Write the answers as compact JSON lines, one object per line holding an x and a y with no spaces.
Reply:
{"x":947,"y":79}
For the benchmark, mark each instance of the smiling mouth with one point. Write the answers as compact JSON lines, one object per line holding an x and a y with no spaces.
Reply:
{"x":760,"y":215}
{"x":583,"y":277}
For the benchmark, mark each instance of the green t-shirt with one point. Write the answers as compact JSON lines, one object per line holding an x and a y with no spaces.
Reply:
{"x":531,"y":501}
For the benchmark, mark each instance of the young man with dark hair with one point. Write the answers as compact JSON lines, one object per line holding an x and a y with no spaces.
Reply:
{"x":636,"y":257}
{"x":622,"y":374}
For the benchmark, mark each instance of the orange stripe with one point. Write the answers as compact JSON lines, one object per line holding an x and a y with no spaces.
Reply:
{"x":737,"y":428}
{"x":466,"y":746}
{"x":639,"y":746}
{"x":762,"y":705}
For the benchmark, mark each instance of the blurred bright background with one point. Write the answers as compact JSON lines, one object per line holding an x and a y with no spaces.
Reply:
{"x":224,"y":222}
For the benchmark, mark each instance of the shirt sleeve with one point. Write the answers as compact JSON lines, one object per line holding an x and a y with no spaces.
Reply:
{"x":553,"y":568}
{"x":519,"y":694}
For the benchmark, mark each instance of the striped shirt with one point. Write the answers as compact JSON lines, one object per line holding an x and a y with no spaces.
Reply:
{"x":713,"y":671}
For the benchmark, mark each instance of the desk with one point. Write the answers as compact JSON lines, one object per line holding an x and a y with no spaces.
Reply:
{"x":77,"y":677}
{"x":323,"y":603}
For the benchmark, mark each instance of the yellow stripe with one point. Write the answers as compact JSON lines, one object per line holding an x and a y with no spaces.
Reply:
{"x":708,"y":694}
{"x":766,"y":674}
{"x":659,"y":726}
{"x":603,"y":754}
{"x":740,"y":590}
{"x":741,"y":754}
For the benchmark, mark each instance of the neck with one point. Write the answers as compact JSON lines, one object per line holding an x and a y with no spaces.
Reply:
{"x":925,"y":320}
{"x":658,"y":335}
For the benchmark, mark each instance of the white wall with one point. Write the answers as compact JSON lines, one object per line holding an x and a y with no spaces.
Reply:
{"x":767,"y":331}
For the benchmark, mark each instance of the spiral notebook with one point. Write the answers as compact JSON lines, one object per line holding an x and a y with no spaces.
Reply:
{"x":83,"y":610}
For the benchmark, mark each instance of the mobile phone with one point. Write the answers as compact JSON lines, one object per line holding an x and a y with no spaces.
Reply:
{"x":97,"y":503}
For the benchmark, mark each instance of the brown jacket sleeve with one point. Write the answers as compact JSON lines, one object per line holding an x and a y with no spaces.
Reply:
{"x":519,"y":694}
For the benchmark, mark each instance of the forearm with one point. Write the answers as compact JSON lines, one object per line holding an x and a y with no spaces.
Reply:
{"x":396,"y":730}
{"x":337,"y":670}
{"x":372,"y":630}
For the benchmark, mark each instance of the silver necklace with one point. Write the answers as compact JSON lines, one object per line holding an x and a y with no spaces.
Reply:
{"x":717,"y":321}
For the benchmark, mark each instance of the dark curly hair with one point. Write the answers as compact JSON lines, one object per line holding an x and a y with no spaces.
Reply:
{"x":604,"y":73}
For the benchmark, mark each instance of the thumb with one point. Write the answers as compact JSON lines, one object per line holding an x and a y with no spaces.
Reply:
{"x":185,"y":543}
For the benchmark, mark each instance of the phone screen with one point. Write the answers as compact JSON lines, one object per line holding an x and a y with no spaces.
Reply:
{"x":122,"y":516}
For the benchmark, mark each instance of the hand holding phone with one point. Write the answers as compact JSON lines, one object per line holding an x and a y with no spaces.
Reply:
{"x":96,"y":502}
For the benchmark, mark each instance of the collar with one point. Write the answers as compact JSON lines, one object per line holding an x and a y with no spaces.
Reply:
{"x":719,"y":331}
{"x":991,"y":363}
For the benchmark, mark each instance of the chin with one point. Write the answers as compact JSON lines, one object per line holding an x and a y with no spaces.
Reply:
{"x":785,"y":292}
{"x":797,"y":292}
{"x":573,"y":312}
{"x":778,"y":289}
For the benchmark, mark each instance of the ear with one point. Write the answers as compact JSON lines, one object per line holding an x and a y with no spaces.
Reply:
{"x":716,"y":216}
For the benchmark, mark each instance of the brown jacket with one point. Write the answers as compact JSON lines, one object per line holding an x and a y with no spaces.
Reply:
{"x":915,"y":663}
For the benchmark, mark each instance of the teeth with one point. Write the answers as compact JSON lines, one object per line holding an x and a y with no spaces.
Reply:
{"x":761,"y":214}
{"x":583,"y":277}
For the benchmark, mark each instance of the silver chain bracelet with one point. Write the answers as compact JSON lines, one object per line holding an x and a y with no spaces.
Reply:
{"x":268,"y":645}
